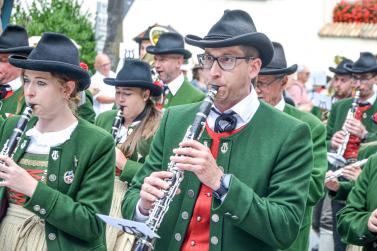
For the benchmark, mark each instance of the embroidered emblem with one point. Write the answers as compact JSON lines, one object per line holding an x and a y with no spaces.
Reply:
{"x":129,"y":131}
{"x":23,"y":144}
{"x":224,"y":147}
{"x":205,"y":142}
{"x":166,"y":101}
{"x":139,"y":156}
{"x":364,"y":115}
{"x":75,"y":162}
{"x":55,"y":155}
{"x":68,"y":177}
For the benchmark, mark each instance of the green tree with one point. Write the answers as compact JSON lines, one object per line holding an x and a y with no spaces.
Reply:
{"x":63,"y":16}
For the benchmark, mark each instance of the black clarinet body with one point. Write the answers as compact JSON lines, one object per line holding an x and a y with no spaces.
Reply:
{"x":11,"y":144}
{"x":117,"y":124}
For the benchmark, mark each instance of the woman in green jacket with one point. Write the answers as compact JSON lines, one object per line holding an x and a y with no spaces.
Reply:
{"x":138,"y":120}
{"x":58,"y":178}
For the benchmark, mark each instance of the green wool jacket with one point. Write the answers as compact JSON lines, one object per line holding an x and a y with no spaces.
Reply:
{"x":15,"y":105}
{"x":186,"y":94}
{"x":338,"y":114}
{"x":69,"y":210}
{"x":316,"y":188}
{"x":86,"y":110}
{"x":352,"y":220}
{"x":365,"y":151}
{"x":270,"y":160}
{"x":105,"y":120}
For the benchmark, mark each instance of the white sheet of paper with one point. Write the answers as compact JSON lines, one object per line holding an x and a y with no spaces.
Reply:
{"x":128,"y":225}
{"x":321,"y":101}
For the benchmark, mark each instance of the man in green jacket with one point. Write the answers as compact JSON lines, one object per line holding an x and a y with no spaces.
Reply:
{"x":14,"y":40}
{"x":362,"y":127}
{"x":270,"y":86}
{"x":246,"y":180}
{"x":169,"y":55}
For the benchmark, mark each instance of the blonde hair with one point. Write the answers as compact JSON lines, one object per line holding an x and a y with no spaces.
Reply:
{"x":146,"y":129}
{"x":73,"y":100}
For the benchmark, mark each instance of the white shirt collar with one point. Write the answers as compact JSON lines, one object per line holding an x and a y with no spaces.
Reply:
{"x":15,"y":84}
{"x":42,"y":142}
{"x":372,"y":99}
{"x":245,"y":110}
{"x":281,"y":105}
{"x":176,"y":84}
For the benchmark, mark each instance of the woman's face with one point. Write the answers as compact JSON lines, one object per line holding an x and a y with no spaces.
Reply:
{"x":45,"y":93}
{"x":132,"y":99}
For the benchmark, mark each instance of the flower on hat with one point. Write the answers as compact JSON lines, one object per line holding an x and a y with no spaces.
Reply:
{"x":158,"y":83}
{"x":84,"y":66}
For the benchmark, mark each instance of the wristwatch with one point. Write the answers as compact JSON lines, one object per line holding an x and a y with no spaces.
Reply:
{"x":224,"y":186}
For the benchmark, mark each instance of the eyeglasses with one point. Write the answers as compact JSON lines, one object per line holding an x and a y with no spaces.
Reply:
{"x":226,"y":63}
{"x":362,"y":78}
{"x":261,"y":85}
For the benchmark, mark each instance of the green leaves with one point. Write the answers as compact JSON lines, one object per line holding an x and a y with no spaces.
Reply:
{"x":63,"y":16}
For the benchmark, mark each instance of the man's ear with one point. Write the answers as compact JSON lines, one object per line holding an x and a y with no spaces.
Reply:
{"x":284,"y":82}
{"x":255,"y":66}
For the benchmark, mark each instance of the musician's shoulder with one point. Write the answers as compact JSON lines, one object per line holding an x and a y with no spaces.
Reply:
{"x":342,"y":102}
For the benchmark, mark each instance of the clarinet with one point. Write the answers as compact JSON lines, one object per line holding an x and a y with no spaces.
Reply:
{"x":338,"y":172}
{"x":337,"y":159}
{"x":11,"y":144}
{"x":161,"y":206}
{"x":351,"y":114}
{"x":117,"y":124}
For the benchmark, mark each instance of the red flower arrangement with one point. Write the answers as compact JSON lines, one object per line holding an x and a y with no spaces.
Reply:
{"x":361,"y":11}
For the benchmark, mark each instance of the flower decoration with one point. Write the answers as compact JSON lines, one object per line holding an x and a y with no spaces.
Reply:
{"x":361,"y":11}
{"x":158,"y":83}
{"x":84,"y":66}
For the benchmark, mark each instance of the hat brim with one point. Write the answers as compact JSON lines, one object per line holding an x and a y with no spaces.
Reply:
{"x":155,"y":89}
{"x":274,"y":71}
{"x":340,"y":72}
{"x":73,"y":71}
{"x":256,"y":39}
{"x":20,"y":50}
{"x":351,"y":69}
{"x":153,"y":50}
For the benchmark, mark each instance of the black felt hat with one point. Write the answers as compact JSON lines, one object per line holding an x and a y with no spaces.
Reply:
{"x":169,"y":43}
{"x":14,"y":40}
{"x":54,"y":53}
{"x":235,"y":27}
{"x":135,"y":73}
{"x":278,"y":64}
{"x":366,"y":63}
{"x":340,"y":67}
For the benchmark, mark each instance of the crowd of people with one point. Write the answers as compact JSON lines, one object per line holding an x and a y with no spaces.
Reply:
{"x":269,"y":166}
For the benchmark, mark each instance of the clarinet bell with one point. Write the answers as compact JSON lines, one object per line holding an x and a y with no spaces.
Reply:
{"x":336,"y":160}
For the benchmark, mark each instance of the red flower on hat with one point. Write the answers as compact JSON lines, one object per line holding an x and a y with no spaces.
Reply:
{"x":158,"y":83}
{"x":374,"y":117}
{"x":84,"y":66}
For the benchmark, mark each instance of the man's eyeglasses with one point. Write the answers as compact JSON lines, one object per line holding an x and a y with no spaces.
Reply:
{"x":226,"y":63}
{"x":259,"y":84}
{"x":362,"y":78}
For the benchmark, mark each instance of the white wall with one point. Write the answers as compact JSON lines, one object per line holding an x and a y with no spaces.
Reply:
{"x":294,"y":23}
